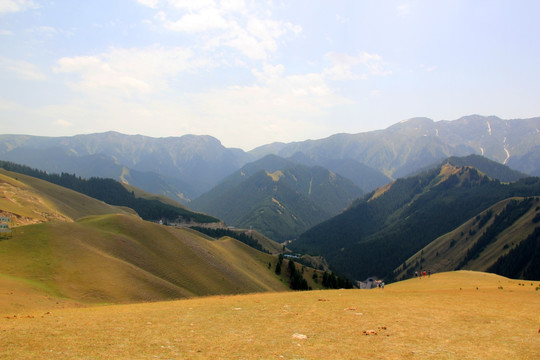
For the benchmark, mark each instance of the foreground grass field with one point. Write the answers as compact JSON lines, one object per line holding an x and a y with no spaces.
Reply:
{"x":461,"y":315}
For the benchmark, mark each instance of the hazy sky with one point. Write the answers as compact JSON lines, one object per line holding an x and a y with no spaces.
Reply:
{"x":254,"y":72}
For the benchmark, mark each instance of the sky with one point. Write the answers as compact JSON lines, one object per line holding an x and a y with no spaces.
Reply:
{"x":254,"y":72}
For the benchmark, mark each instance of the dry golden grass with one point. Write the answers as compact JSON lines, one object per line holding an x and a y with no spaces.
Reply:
{"x":443,"y":317}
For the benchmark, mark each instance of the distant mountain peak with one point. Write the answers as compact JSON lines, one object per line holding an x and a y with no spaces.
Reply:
{"x":464,"y":174}
{"x":417,"y":121}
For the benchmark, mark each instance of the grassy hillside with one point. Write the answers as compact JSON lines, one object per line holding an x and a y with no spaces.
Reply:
{"x":454,"y":316}
{"x":79,"y":250}
{"x":119,"y":258}
{"x":27,"y":200}
{"x":449,"y":251}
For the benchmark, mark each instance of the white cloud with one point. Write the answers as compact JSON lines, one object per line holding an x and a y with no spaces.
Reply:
{"x":276,"y":107}
{"x":281,"y":109}
{"x":44,"y":30}
{"x":270,"y":74}
{"x":62,"y":123}
{"x":96,"y":73}
{"x":5,"y":32}
{"x":191,"y":5}
{"x":342,"y":20}
{"x":428,"y":68}
{"x":150,"y":3}
{"x":359,"y":67}
{"x":127,"y":70}
{"x":22,"y":69}
{"x":205,"y":20}
{"x":230,"y":24}
{"x":404,"y":9}
{"x":10,"y":6}
{"x":304,"y":85}
{"x":8,"y":105}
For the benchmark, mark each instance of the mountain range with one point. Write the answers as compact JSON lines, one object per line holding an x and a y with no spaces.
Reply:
{"x":185,"y":167}
{"x":411,"y":144}
{"x":178,"y":167}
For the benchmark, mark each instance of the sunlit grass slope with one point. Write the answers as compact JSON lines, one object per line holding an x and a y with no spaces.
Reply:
{"x":463,"y":315}
{"x":29,"y":200}
{"x":120,"y":258}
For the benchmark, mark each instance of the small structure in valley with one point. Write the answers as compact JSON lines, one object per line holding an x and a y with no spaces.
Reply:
{"x":5,"y":230}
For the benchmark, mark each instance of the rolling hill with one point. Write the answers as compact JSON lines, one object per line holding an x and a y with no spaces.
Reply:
{"x":70,"y":248}
{"x":278,"y":198}
{"x":120,"y":258}
{"x":382,"y":230}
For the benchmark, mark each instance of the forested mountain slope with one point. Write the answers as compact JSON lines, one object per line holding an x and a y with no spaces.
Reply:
{"x":382,"y":230}
{"x":504,"y":239}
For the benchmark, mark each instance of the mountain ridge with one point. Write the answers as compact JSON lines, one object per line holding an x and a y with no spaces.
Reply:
{"x":187,"y":166}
